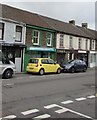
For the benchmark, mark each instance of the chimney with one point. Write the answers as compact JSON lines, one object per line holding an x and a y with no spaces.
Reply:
{"x":72,"y":22}
{"x":85,"y":25}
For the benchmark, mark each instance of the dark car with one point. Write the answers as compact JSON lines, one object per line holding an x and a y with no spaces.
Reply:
{"x":74,"y":66}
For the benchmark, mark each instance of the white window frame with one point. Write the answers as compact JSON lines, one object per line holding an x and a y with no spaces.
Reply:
{"x":93,"y":44}
{"x":36,"y":37}
{"x":49,"y":39}
{"x":70,"y":42}
{"x":79,"y":43}
{"x":86,"y":44}
{"x":61,"y":44}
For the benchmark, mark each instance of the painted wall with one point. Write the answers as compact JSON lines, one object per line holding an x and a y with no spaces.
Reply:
{"x":9,"y":32}
{"x":74,"y":42}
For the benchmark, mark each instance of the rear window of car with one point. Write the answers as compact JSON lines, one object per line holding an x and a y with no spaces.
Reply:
{"x":33,"y":61}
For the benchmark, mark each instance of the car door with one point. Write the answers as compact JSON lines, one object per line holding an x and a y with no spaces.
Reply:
{"x":77,"y":65}
{"x":45,"y":65}
{"x":52,"y":66}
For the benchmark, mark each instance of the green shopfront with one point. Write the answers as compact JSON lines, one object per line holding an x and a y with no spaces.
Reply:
{"x":38,"y":52}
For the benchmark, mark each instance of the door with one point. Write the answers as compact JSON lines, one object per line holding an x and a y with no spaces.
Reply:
{"x":18,"y":59}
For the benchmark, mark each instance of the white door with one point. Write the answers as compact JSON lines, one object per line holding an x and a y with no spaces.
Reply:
{"x":18,"y":64}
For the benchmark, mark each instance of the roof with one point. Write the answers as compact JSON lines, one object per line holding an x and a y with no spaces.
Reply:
{"x":44,"y":22}
{"x":91,"y":33}
{"x":23,"y":16}
{"x":64,"y":27}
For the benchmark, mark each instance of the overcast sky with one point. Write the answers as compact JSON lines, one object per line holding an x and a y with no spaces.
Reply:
{"x":82,"y":11}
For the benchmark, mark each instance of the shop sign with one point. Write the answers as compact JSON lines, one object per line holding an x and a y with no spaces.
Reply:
{"x":61,"y":51}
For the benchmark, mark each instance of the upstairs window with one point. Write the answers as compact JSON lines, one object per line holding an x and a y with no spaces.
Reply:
{"x":18,"y":36}
{"x":61,"y":40}
{"x":35,"y":39}
{"x":93,"y":44}
{"x":79,"y":43}
{"x":49,"y":39}
{"x":86,"y":44}
{"x":1,"y":31}
{"x":71,"y":42}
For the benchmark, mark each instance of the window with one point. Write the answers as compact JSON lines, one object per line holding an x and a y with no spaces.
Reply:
{"x":0,"y":55}
{"x":93,"y":44}
{"x":50,"y":62}
{"x":61,"y":40}
{"x":79,"y":43}
{"x":1,"y":31}
{"x":33,"y":61}
{"x":71,"y":42}
{"x":35,"y":37}
{"x":18,"y":36}
{"x":49,"y":39}
{"x":44,"y":61}
{"x":86,"y":44}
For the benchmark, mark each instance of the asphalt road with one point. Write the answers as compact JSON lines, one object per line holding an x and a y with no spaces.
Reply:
{"x":62,"y":95}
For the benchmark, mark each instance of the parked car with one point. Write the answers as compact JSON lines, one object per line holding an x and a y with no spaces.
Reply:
{"x":74,"y":66}
{"x":7,"y":68}
{"x":42,"y":66}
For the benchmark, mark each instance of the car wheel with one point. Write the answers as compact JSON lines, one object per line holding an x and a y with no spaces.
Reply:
{"x":41,"y":72}
{"x":58,"y":70}
{"x":72,"y":70}
{"x":84,"y":69}
{"x":8,"y":74}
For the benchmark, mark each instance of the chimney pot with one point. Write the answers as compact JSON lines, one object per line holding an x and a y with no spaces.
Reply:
{"x":85,"y":25}
{"x":72,"y":22}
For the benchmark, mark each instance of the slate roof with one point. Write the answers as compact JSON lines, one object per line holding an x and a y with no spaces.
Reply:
{"x":91,"y":33}
{"x":23,"y":16}
{"x":44,"y":22}
{"x":67,"y":28}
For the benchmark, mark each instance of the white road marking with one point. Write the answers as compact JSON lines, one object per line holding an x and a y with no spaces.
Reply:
{"x":61,"y":110}
{"x":80,"y":114}
{"x":66,"y":109}
{"x":91,"y":96}
{"x":67,"y":102}
{"x":42,"y":116}
{"x":50,"y":106}
{"x":9,"y":117}
{"x":30,"y":111}
{"x":80,"y":99}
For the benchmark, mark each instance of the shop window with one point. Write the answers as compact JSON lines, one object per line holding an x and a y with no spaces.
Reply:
{"x":61,"y":40}
{"x":18,"y":36}
{"x":34,"y":54}
{"x":1,"y":31}
{"x":35,"y":39}
{"x":49,"y":39}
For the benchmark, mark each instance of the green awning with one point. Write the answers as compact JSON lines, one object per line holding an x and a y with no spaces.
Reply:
{"x":41,"y":49}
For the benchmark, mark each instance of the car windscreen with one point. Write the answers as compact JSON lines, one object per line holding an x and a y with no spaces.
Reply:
{"x":33,"y":61}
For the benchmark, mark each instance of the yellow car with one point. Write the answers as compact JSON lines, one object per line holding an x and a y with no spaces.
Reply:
{"x":42,"y":66}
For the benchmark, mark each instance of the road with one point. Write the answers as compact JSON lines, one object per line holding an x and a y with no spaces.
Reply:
{"x":62,"y":95}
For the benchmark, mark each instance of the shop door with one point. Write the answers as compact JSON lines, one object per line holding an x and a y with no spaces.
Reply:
{"x":60,"y":57}
{"x":18,"y":60}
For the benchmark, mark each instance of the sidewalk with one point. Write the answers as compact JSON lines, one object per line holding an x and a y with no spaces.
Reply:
{"x":24,"y":73}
